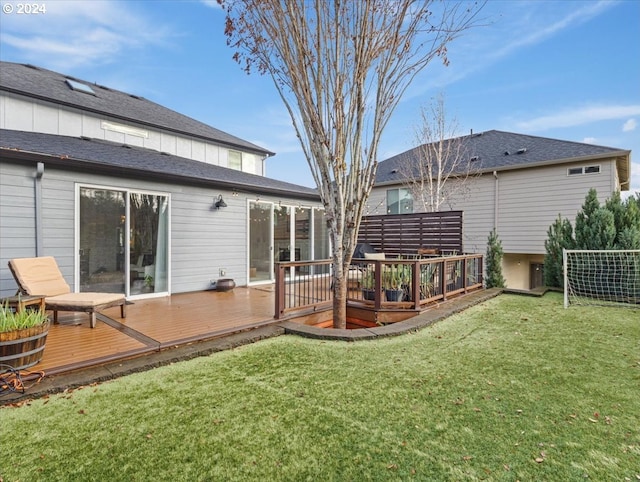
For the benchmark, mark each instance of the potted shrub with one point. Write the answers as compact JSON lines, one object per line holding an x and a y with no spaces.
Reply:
{"x":395,"y":280}
{"x":22,"y":336}
{"x":368,"y":285}
{"x":427,"y":281}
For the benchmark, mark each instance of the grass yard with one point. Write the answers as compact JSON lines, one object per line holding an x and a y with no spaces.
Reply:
{"x":517,"y":388}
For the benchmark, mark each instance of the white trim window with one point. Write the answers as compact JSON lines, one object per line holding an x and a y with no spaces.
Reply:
{"x":578,"y":171}
{"x":399,"y":201}
{"x":234,"y":160}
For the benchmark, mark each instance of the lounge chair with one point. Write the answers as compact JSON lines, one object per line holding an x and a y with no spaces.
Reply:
{"x":42,"y":277}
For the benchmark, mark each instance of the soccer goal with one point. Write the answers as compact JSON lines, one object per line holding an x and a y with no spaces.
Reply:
{"x":601,"y":277}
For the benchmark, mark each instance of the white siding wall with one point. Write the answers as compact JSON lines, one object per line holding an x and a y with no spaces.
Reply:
{"x":31,"y":116}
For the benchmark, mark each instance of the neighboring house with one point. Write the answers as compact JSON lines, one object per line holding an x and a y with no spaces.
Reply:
{"x":132,"y":197}
{"x":520,"y":184}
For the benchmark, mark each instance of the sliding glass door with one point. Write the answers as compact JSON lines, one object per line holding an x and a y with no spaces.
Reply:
{"x":102,"y":240}
{"x":148,"y":251}
{"x":123,"y":241}
{"x":280,"y":233}
{"x":260,"y":245}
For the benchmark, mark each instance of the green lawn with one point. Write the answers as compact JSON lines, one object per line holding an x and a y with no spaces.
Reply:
{"x":514,"y":389}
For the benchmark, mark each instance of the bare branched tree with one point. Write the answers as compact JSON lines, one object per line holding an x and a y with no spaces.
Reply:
{"x":341,"y":67}
{"x":439,"y":171}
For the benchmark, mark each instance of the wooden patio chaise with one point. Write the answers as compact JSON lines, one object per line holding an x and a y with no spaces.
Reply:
{"x":41,"y":277}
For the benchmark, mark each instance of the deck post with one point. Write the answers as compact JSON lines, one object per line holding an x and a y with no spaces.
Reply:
{"x":464,"y":274}
{"x":378,"y":285}
{"x":279,"y":298}
{"x":443,"y":280}
{"x":417,"y":271}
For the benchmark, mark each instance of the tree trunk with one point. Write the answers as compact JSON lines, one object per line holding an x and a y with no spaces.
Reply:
{"x":340,"y":303}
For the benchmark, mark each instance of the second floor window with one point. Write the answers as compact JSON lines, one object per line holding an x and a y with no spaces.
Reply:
{"x":235,"y":160}
{"x":399,"y":201}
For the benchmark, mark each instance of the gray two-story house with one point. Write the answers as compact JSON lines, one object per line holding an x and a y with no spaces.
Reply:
{"x":132,"y":197}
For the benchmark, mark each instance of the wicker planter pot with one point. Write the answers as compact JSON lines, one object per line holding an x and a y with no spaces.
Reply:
{"x":23,"y":348}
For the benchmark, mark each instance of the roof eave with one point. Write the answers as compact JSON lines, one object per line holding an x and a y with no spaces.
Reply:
{"x":91,"y":166}
{"x":622,"y":158}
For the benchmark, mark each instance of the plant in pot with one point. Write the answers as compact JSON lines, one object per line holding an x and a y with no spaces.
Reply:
{"x":427,"y":281}
{"x":395,"y":280}
{"x":22,"y":336}
{"x":148,"y":284}
{"x":368,"y":285}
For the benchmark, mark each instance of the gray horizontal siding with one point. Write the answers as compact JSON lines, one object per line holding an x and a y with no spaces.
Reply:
{"x":202,"y":240}
{"x":17,"y":220}
{"x":529,"y":201}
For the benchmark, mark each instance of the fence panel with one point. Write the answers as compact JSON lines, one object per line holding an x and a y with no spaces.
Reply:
{"x":406,"y":233}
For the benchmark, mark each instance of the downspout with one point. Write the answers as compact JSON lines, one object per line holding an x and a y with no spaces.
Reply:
{"x":496,"y":202}
{"x":38,"y":208}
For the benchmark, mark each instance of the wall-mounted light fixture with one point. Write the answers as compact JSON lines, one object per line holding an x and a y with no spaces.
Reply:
{"x":219,"y":203}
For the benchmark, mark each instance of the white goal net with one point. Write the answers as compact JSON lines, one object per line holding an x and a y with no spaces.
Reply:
{"x":607,"y":277}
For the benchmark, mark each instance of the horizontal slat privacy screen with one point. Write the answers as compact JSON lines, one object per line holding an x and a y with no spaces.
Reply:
{"x":406,"y":233}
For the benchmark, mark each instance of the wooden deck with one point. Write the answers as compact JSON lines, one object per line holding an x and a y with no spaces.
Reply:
{"x":153,"y":325}
{"x":158,"y":324}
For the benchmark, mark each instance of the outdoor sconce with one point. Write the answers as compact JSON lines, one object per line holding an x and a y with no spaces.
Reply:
{"x":219,"y":203}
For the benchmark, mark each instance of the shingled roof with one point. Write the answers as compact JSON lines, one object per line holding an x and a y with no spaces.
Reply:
{"x":498,"y":151}
{"x":95,"y":155}
{"x":46,"y":85}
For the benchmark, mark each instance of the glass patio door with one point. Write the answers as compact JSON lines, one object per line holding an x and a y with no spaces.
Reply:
{"x":148,"y":244}
{"x":260,"y":245}
{"x":102,"y":240}
{"x":284,"y":233}
{"x":282,"y":240}
{"x":123,"y":241}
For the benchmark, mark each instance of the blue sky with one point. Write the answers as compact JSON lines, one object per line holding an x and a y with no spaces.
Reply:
{"x":562,"y":69}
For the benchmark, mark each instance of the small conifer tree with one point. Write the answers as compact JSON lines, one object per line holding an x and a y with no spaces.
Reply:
{"x":595,"y":224}
{"x":495,"y":279}
{"x":560,"y":236}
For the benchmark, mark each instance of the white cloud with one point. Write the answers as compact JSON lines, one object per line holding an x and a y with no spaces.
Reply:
{"x":629,"y":126}
{"x":505,"y":29}
{"x":589,"y":140}
{"x":211,"y":3}
{"x":545,"y":29}
{"x":74,"y":33}
{"x":578,"y":116}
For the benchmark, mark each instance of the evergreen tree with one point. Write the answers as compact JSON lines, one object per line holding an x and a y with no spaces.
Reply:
{"x":584,"y":218}
{"x":595,"y":225}
{"x":494,"y":262}
{"x":628,"y":235}
{"x":560,"y":236}
{"x":614,"y":225}
{"x":615,"y":205}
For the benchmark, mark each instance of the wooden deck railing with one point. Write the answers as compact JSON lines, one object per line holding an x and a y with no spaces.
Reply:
{"x":303,"y":285}
{"x":397,"y":284}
